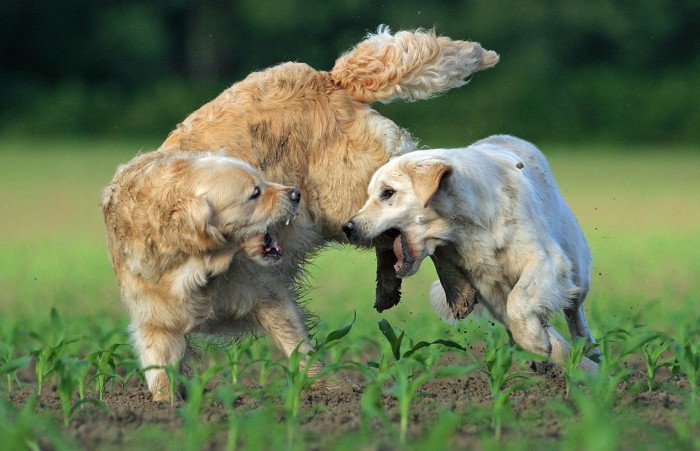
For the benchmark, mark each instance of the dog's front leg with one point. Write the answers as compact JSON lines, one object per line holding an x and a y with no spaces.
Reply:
{"x":157,"y":347}
{"x":388,"y":292}
{"x":459,"y":291}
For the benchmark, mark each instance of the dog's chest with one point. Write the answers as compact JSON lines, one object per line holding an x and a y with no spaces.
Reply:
{"x":493,"y":271}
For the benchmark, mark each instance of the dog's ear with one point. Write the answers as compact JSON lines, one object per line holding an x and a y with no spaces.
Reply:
{"x":191,"y":225}
{"x":428,"y":178}
{"x":388,"y":292}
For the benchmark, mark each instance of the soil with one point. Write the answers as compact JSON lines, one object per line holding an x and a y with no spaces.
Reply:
{"x":328,"y":416}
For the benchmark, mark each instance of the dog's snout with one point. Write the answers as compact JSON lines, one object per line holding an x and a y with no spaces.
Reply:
{"x":349,"y":229}
{"x":295,"y":195}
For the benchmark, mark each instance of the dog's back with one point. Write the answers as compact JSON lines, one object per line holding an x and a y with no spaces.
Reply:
{"x":513,"y":211}
{"x":545,"y":197}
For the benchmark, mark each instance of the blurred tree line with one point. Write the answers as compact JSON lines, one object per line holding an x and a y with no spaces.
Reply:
{"x":614,"y":71}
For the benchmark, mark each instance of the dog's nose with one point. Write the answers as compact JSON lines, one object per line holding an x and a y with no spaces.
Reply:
{"x":348,"y":228}
{"x":295,"y":195}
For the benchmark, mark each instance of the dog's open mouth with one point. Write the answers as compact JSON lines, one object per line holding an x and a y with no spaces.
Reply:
{"x":402,"y":250}
{"x":270,"y":248}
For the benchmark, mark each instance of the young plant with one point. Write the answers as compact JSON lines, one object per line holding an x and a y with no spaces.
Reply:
{"x":498,"y":357}
{"x":688,"y":361}
{"x":105,"y":367}
{"x":191,"y":411}
{"x":409,"y":375}
{"x":234,"y":355}
{"x":46,"y":359}
{"x":372,"y":407}
{"x":653,"y":351}
{"x":227,"y":396}
{"x":298,"y":378}
{"x":25,"y":429}
{"x":578,"y":351}
{"x":10,"y":367}
{"x":71,"y":376}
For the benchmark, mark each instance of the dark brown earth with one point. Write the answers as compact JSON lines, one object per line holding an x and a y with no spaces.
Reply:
{"x":328,"y":417}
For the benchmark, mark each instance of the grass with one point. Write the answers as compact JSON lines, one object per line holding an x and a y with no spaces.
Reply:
{"x":638,"y":208}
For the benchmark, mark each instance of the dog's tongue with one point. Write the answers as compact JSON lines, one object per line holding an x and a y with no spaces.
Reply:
{"x":398,"y":251}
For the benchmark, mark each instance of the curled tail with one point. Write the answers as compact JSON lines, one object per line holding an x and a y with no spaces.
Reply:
{"x":408,"y":65}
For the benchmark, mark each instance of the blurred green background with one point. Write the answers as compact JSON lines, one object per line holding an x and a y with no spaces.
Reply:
{"x":607,"y":89}
{"x":571,"y":70}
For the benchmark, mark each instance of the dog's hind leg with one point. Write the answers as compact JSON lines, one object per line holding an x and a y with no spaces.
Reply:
{"x":158,"y":347}
{"x":578,"y":327}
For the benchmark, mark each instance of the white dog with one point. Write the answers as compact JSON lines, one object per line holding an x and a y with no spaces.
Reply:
{"x":489,"y":214}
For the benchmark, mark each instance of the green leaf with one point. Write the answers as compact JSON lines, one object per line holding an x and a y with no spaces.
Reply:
{"x":340,"y":333}
{"x":16,"y":364}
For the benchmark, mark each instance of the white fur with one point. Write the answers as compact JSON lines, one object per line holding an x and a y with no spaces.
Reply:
{"x":500,"y":209}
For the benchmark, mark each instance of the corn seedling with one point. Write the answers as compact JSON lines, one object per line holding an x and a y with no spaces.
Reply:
{"x":46,"y":359}
{"x":653,"y":351}
{"x":408,"y":376}
{"x":579,"y":349}
{"x":105,"y":367}
{"x":687,"y":360}
{"x":498,"y":357}
{"x":10,"y":367}
{"x":191,"y":411}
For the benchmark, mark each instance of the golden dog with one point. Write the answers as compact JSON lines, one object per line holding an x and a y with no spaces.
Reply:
{"x":175,"y":223}
{"x":315,"y":130}
{"x":492,"y":214}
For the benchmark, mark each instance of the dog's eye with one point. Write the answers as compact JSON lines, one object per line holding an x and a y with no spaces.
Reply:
{"x":255,"y":194}
{"x":386,"y":194}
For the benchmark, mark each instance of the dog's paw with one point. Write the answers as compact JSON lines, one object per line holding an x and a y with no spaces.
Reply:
{"x":334,"y":383}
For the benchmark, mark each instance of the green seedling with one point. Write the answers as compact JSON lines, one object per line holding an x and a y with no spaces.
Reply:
{"x":372,"y":407}
{"x":653,"y":351}
{"x":191,"y":411}
{"x":298,"y":378}
{"x":408,"y":375}
{"x":498,"y":358}
{"x":105,"y":367}
{"x":71,"y":376}
{"x":25,"y":429}
{"x":10,"y":367}
{"x":579,"y":350}
{"x":46,"y":359}
{"x":235,"y":355}
{"x":688,"y":361}
{"x":227,"y":396}
{"x":395,"y":342}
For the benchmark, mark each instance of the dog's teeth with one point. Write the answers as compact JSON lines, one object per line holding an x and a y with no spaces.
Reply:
{"x":287,"y":222}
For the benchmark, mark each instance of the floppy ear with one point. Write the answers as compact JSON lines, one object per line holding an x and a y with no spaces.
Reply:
{"x":428,"y":178}
{"x":388,"y":292}
{"x":191,"y":227}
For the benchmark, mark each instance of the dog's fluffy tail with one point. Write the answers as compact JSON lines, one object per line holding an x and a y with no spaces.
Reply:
{"x":408,"y":65}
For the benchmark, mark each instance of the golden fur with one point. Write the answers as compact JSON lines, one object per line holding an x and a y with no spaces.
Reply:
{"x":315,"y":130}
{"x":175,"y":222}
